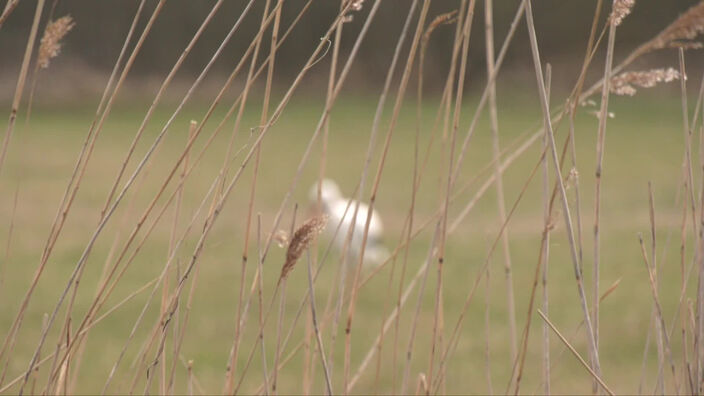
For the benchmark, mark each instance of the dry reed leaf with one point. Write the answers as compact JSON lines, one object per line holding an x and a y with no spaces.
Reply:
{"x":620,"y":10}
{"x":626,"y":83}
{"x":302,"y":238}
{"x":688,"y":26}
{"x":50,"y":44}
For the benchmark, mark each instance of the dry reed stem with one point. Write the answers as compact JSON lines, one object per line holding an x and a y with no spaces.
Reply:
{"x":179,"y":332}
{"x":22,"y":78}
{"x":318,"y":338}
{"x":414,"y":323}
{"x":248,"y":156}
{"x":332,"y":74}
{"x":545,"y":245}
{"x":408,"y":224}
{"x":616,"y":16}
{"x":454,"y":336}
{"x":519,"y":360}
{"x":9,"y":7}
{"x":390,"y":319}
{"x":69,"y":194}
{"x":438,"y":311}
{"x":392,"y":124}
{"x":565,"y":205}
{"x":174,"y":169}
{"x":8,"y":244}
{"x":62,"y":213}
{"x":105,"y":217}
{"x":167,"y":81}
{"x":265,"y":128}
{"x":15,"y":106}
{"x":500,"y":200}
{"x":485,"y":93}
{"x":659,"y":314}
{"x":576,"y":354}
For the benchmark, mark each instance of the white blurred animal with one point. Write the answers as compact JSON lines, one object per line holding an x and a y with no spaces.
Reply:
{"x":335,"y":205}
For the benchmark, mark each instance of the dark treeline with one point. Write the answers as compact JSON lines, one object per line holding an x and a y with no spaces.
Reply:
{"x":101,"y":27}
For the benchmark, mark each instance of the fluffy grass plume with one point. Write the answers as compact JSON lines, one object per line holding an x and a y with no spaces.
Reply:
{"x":302,"y":238}
{"x":620,"y":10}
{"x":50,"y":44}
{"x":626,"y":83}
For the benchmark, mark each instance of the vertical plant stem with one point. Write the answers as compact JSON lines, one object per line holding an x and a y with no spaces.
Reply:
{"x":498,"y":181}
{"x":600,"y":145}
{"x":22,"y":79}
{"x":318,"y":338}
{"x":558,"y":174}
{"x":392,"y":124}
{"x":546,"y":245}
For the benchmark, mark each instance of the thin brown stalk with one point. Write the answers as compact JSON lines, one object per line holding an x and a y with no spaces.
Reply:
{"x":500,"y":200}
{"x":332,"y":74}
{"x":70,"y":193}
{"x":558,"y":173}
{"x":260,"y":292}
{"x":437,"y":319}
{"x":248,"y":156}
{"x":659,"y":314}
{"x":601,"y":134}
{"x":546,"y":241}
{"x":178,"y":332}
{"x":654,"y":270}
{"x":416,"y":315}
{"x":318,"y":338}
{"x":576,"y":354}
{"x":9,"y":7}
{"x":8,"y":243}
{"x":22,"y":78}
{"x":165,"y":84}
{"x":394,"y":118}
{"x":150,"y":152}
{"x":59,"y":218}
{"x":487,"y":332}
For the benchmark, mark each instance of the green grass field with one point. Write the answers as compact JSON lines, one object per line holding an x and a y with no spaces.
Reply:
{"x":644,"y":142}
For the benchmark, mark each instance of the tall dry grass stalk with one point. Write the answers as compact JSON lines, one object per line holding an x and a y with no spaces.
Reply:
{"x":500,"y":200}
{"x":558,"y":172}
{"x":21,"y":80}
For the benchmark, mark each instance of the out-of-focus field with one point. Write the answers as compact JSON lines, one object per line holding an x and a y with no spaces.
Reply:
{"x":644,"y":143}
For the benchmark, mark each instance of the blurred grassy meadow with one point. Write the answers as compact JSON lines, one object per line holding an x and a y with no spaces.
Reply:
{"x":645,"y":144}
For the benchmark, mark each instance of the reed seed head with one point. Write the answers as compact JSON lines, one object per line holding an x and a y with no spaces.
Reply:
{"x":626,"y":83}
{"x":688,"y":26}
{"x":302,"y":238}
{"x":50,"y":44}
{"x":620,"y":10}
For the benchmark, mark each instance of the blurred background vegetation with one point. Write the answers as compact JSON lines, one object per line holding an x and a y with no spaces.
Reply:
{"x":92,"y":47}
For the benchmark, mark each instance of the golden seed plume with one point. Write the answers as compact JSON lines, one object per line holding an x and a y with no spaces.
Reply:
{"x":302,"y":238}
{"x":620,"y":10}
{"x":626,"y":83}
{"x":688,"y":26}
{"x":50,"y":44}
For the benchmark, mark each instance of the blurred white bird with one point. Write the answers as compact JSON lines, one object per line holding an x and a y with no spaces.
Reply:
{"x":335,"y":205}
